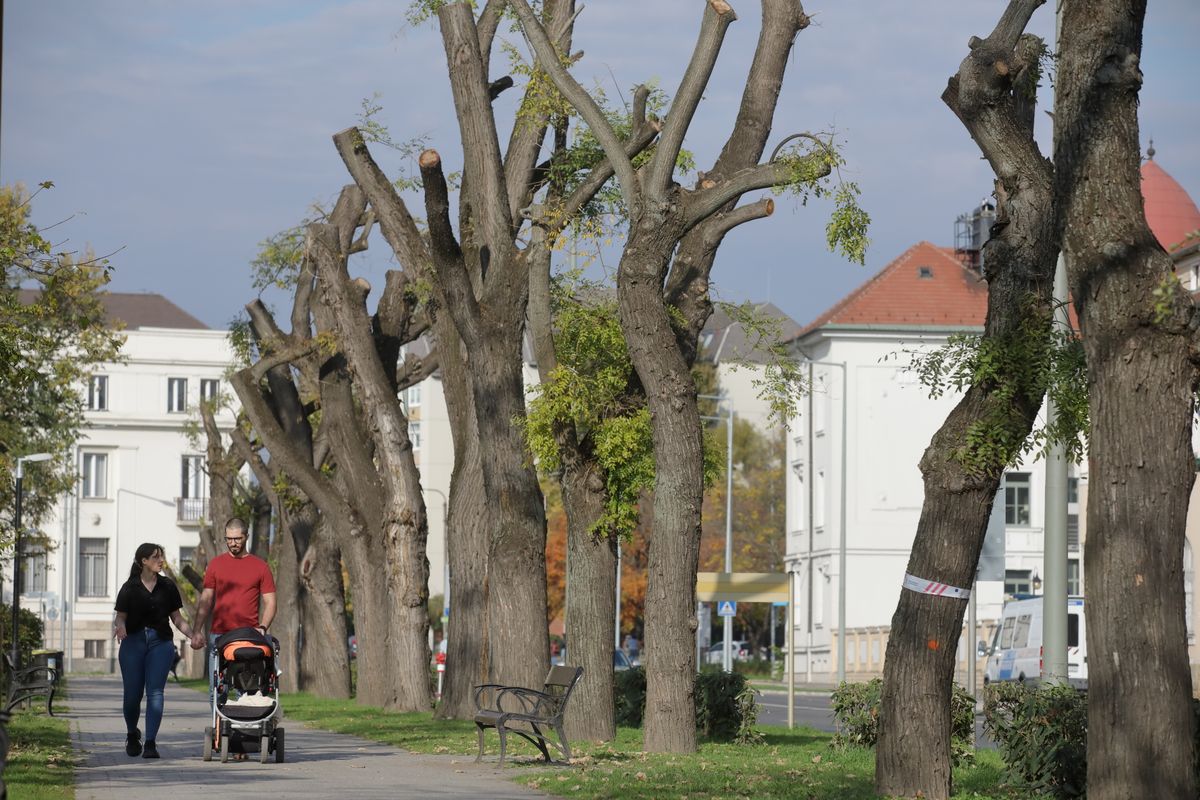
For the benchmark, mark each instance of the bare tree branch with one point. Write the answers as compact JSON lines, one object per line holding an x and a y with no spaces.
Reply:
{"x":709,"y":200}
{"x":483,"y":172}
{"x":447,"y":256}
{"x":723,"y":223}
{"x":718,"y":14}
{"x":582,"y":101}
{"x":397,"y":225}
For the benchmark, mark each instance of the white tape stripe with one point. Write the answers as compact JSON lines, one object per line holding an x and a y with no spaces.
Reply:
{"x":923,"y":586}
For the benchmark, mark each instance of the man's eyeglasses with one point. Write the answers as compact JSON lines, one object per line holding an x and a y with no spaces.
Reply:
{"x":235,"y":539}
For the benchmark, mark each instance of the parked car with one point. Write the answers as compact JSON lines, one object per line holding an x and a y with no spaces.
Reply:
{"x":741,"y":650}
{"x":620,"y":660}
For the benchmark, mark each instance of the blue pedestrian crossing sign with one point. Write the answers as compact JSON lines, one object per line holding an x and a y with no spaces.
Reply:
{"x":727,"y":608}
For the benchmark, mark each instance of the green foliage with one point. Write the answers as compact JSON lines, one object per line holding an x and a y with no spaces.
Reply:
{"x":725,"y":707}
{"x":814,"y":170}
{"x":372,"y":130}
{"x":726,"y":704}
{"x":1020,"y":367}
{"x":629,"y":696}
{"x":53,"y":333}
{"x":856,"y":709}
{"x":591,"y":393}
{"x":30,"y":635}
{"x":1042,"y":734}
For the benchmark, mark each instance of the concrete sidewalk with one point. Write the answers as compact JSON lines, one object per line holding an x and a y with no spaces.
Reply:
{"x":319,"y":764}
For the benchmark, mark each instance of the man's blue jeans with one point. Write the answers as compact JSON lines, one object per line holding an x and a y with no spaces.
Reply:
{"x":145,"y":659}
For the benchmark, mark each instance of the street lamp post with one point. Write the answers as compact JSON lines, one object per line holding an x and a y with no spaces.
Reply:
{"x":16,"y":586}
{"x":445,"y":555}
{"x":726,"y":623}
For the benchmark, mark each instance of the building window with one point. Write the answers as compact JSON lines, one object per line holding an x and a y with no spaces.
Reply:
{"x":93,"y":648}
{"x":209,"y":389}
{"x":98,"y":393}
{"x":1073,"y":490}
{"x":1074,"y":584}
{"x":93,"y":567}
{"x":33,"y":569}
{"x":1016,"y":498}
{"x":819,"y":500}
{"x":187,"y":558}
{"x":176,"y":395}
{"x":1017,"y":581}
{"x":95,"y":475}
{"x":820,"y":396}
{"x":414,"y":434}
{"x":414,"y":396}
{"x":193,"y":490}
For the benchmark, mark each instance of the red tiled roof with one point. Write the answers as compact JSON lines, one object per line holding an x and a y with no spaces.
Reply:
{"x":926,"y":286}
{"x":139,"y":310}
{"x":1170,"y":212}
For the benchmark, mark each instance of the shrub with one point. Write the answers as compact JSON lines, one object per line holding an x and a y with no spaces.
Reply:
{"x":31,"y":631}
{"x":629,"y":696}
{"x":1042,"y":734}
{"x":856,"y":709}
{"x":726,"y":705}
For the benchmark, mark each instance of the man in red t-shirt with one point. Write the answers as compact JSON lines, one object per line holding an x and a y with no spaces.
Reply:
{"x":234,"y":582}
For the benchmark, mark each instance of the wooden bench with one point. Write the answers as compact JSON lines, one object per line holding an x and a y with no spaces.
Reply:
{"x":525,"y":712}
{"x":30,"y":682}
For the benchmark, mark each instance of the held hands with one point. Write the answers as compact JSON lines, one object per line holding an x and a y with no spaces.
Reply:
{"x":197,"y":641}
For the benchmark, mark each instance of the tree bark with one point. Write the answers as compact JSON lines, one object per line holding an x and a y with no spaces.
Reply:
{"x":1138,"y":328}
{"x":989,"y":96}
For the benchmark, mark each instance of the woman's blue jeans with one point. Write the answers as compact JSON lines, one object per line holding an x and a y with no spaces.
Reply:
{"x":146,"y":659}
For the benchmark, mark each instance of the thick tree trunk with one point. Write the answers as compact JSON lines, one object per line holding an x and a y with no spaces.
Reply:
{"x":519,"y":639}
{"x":469,"y":534}
{"x":289,"y":594}
{"x":670,"y":627}
{"x":1137,"y":326}
{"x":324,"y":656}
{"x":591,"y":606}
{"x":989,"y":96}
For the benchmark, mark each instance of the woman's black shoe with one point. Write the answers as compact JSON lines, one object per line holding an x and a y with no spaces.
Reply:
{"x":133,"y":743}
{"x":151,"y":750}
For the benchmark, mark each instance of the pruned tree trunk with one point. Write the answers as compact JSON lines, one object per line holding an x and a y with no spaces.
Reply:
{"x":660,"y":214}
{"x":324,"y":662}
{"x":991,"y":94}
{"x":591,"y":605}
{"x":1138,"y":327}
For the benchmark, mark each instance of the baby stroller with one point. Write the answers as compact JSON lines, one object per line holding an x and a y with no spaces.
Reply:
{"x":245,"y":700}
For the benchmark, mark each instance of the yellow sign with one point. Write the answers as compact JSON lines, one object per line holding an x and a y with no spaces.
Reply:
{"x":745,"y":587}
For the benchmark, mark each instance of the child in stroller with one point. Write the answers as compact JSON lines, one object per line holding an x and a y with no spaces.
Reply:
{"x":245,"y":702}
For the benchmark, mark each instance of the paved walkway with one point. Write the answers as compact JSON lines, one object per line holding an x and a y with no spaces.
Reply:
{"x":319,"y":764}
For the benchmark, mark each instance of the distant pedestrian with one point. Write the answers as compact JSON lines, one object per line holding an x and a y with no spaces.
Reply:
{"x":631,"y":647}
{"x":144,"y":604}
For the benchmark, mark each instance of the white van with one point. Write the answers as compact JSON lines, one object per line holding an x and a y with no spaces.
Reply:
{"x":1016,"y":651}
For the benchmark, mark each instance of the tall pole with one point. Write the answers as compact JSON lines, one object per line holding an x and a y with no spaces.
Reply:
{"x":15,"y":627}
{"x":842,"y":538}
{"x":727,"y":624}
{"x":617,"y":625}
{"x":1054,"y":565}
{"x":811,"y":521}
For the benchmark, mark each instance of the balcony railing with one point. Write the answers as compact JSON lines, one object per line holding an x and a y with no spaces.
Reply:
{"x":191,"y":510}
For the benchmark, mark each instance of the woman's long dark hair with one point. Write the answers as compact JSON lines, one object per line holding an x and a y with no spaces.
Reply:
{"x":144,"y":551}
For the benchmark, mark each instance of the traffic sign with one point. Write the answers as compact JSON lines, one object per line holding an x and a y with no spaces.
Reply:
{"x":727,"y":608}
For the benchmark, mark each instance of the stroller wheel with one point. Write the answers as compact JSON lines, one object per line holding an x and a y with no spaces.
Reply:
{"x":264,"y":748}
{"x":279,"y":745}
{"x":208,"y":737}
{"x":225,"y":748}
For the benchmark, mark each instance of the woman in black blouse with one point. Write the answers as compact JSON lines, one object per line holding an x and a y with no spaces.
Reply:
{"x":144,"y":604}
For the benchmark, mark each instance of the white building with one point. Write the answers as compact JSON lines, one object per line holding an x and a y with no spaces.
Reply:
{"x":141,"y":476}
{"x":870,"y":420}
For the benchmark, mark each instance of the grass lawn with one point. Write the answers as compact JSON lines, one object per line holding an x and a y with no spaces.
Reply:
{"x":41,"y":765}
{"x":789,"y":764}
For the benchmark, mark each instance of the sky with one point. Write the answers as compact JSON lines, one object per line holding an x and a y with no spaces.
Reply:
{"x":179,"y":134}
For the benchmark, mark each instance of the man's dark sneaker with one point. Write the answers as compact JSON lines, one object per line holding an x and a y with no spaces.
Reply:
{"x":151,"y":750}
{"x":133,"y":743}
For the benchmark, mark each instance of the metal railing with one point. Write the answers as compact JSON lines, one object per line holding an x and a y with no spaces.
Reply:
{"x":191,"y":509}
